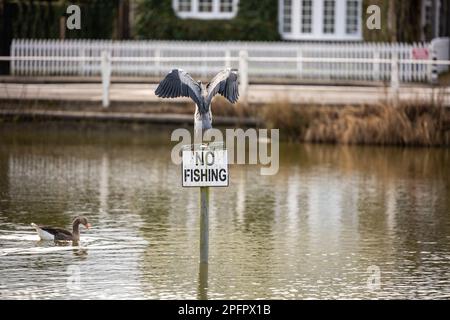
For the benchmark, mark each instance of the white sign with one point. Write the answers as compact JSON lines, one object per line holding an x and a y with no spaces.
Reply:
{"x":204,"y":168}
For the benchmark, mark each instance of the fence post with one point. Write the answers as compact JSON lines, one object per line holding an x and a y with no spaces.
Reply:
{"x":243,"y":70}
{"x":106,"y":76}
{"x":299,"y":64}
{"x":376,"y":66}
{"x":227,"y":58}
{"x":157,"y":61}
{"x":395,"y":81}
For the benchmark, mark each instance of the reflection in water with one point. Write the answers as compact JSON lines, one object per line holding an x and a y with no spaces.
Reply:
{"x":80,"y":252}
{"x":103,"y":185}
{"x":311,"y":231}
{"x":202,"y":281}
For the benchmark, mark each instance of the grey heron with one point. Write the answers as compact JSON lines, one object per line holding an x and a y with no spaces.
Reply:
{"x":178,"y":83}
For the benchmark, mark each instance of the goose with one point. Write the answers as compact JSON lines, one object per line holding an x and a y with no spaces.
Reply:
{"x":58,"y":234}
{"x":178,"y":83}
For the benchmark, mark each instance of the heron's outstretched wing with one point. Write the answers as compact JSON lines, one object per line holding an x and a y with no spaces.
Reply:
{"x":224,"y":83}
{"x":178,"y":83}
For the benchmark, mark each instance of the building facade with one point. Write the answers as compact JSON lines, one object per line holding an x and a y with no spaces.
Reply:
{"x":228,"y":20}
{"x":292,"y":20}
{"x":320,"y":19}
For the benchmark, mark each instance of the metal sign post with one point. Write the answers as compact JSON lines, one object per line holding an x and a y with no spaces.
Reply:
{"x":204,"y":224}
{"x":204,"y":166}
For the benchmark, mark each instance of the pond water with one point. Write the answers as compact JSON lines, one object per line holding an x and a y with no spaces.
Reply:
{"x":325,"y":226}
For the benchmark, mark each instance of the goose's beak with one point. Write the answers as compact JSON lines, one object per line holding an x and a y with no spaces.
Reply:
{"x":88,"y":225}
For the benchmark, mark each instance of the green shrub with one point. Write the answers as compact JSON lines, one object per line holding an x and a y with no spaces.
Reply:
{"x":256,"y":20}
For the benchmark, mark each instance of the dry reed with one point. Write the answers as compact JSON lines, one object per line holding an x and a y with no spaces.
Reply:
{"x":412,"y":124}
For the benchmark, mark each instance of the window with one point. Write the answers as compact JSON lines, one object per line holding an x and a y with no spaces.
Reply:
{"x":287,"y":14}
{"x":306,"y":16}
{"x":205,"y":5}
{"x":184,"y":5}
{"x":333,"y":20}
{"x":328,"y":16}
{"x":430,"y":19}
{"x":226,"y":6}
{"x":205,"y":9}
{"x":352,"y":14}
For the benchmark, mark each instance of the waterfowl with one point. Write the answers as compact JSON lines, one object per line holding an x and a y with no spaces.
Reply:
{"x":59,"y":234}
{"x":179,"y":83}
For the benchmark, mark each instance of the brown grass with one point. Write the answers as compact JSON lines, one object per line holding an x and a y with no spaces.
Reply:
{"x":415,"y":124}
{"x":222,"y":107}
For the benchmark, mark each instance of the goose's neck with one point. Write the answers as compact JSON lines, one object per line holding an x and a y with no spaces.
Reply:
{"x":76,"y":230}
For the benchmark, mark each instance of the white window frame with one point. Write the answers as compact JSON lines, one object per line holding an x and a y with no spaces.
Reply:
{"x":358,"y":16}
{"x":311,"y":17}
{"x":195,"y":13}
{"x":317,"y":33}
{"x":283,"y":24}
{"x":332,"y":17}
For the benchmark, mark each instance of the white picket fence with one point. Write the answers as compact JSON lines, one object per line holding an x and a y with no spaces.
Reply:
{"x":272,"y":60}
